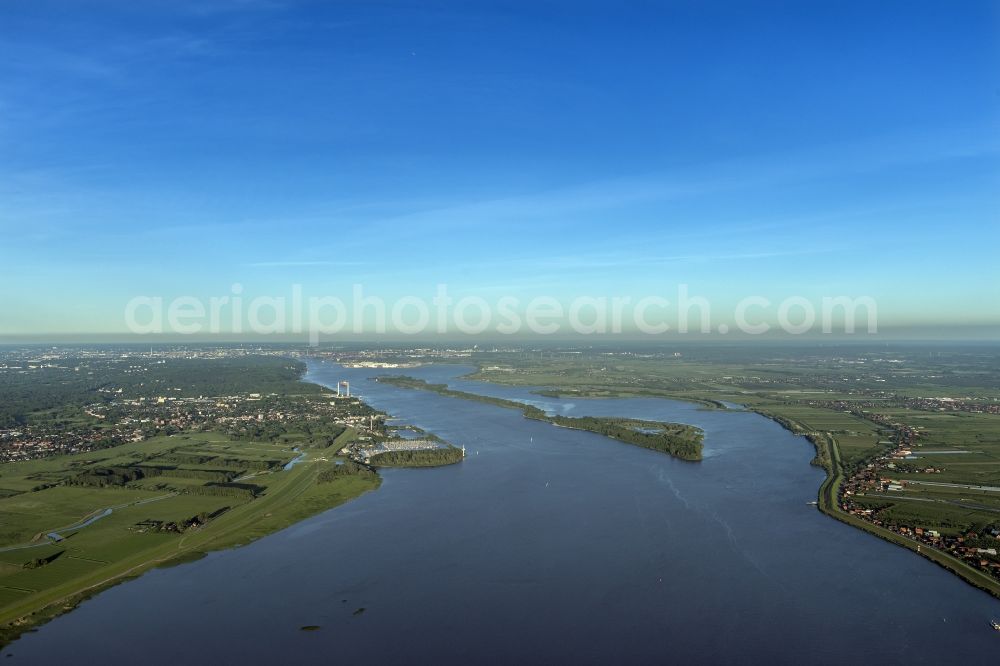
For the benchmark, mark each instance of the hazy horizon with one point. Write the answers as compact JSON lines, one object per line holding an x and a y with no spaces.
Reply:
{"x":908,"y":335}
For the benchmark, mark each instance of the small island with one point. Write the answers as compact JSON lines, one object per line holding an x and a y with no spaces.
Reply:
{"x":430,"y":457}
{"x":676,"y":439}
{"x":388,"y":449}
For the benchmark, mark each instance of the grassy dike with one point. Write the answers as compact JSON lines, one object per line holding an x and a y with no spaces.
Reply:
{"x":292,"y":495}
{"x":828,"y":456}
{"x":295,"y":497}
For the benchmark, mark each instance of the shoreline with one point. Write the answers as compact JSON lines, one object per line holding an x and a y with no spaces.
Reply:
{"x":14,"y":627}
{"x":29,"y":616}
{"x":828,"y":505}
{"x":827,"y":457}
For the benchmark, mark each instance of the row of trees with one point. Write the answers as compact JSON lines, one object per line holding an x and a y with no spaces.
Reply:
{"x":347,"y":468}
{"x":676,"y":439}
{"x":111,"y":476}
{"x":245,"y":491}
{"x":420,"y":458}
{"x":215,"y":475}
{"x":103,"y":477}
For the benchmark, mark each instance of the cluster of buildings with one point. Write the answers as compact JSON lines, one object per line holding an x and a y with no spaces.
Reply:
{"x":30,"y":442}
{"x":128,"y":407}
{"x":364,"y":453}
{"x":389,"y":358}
{"x":125,"y":419}
{"x":877,"y":478}
{"x":970,"y":405}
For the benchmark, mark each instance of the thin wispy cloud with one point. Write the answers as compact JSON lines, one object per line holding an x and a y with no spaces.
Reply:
{"x":752,"y":174}
{"x":301,"y":264}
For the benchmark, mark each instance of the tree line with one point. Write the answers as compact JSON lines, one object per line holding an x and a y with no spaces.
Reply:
{"x":420,"y":458}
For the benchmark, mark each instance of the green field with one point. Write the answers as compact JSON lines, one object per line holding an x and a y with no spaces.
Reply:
{"x":40,"y":576}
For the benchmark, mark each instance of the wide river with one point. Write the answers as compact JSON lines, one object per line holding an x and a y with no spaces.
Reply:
{"x":548,"y":545}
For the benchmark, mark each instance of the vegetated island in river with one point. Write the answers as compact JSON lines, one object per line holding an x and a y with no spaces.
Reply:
{"x":677,"y":439}
{"x":445,"y":455}
{"x":426,"y":450}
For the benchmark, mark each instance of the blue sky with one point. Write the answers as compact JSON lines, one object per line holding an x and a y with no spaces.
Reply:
{"x":557,"y":148}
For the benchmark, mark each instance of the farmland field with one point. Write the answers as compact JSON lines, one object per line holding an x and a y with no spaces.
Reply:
{"x":180,"y":508}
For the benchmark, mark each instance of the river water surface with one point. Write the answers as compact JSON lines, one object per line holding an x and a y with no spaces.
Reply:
{"x":548,"y":545}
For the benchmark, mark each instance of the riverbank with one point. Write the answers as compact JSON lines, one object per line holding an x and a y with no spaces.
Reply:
{"x":786,"y":413}
{"x":174,"y":499}
{"x":292,"y":496}
{"x":827,"y":502}
{"x":167,"y":499}
{"x":828,"y":457}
